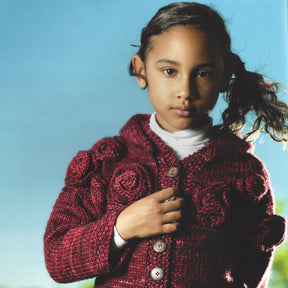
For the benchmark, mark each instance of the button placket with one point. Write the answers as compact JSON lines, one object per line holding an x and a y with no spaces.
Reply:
{"x":160,"y":252}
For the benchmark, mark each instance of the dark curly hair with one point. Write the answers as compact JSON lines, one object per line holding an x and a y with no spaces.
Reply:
{"x":244,"y":91}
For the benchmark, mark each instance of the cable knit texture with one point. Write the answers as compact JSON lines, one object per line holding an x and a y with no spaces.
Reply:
{"x":228,"y":232}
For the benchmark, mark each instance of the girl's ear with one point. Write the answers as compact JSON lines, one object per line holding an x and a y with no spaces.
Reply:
{"x":139,"y":68}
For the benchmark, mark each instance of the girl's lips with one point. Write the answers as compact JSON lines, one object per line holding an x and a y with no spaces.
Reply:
{"x":183,"y":111}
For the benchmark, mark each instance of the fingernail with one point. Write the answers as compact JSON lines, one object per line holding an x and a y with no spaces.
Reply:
{"x":170,"y":199}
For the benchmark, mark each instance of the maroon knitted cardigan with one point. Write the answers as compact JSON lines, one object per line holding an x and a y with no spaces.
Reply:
{"x":228,"y":232}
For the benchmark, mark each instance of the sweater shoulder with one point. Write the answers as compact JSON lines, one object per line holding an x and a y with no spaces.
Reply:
{"x":235,"y":152}
{"x":108,"y":148}
{"x":85,"y":162}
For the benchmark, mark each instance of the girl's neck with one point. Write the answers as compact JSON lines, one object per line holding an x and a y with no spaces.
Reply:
{"x":184,"y":142}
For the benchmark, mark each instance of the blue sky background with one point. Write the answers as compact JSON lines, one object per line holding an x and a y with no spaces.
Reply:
{"x":64,"y":85}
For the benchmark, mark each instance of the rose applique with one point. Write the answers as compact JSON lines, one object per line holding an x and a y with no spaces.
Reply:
{"x":270,"y":232}
{"x":211,"y":204}
{"x":253,"y":186}
{"x":80,"y":168}
{"x":129,"y":183}
{"x":108,"y":148}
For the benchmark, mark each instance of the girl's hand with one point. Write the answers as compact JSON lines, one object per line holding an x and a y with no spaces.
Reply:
{"x":150,"y":216}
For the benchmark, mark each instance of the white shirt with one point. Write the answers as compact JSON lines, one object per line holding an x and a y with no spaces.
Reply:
{"x":184,"y":142}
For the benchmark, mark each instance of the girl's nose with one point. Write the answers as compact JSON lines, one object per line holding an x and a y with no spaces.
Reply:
{"x":186,"y":89}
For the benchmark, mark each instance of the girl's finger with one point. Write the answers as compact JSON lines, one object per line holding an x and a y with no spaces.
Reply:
{"x":170,"y":228}
{"x":165,"y":194}
{"x":172,"y":205}
{"x":171,"y":217}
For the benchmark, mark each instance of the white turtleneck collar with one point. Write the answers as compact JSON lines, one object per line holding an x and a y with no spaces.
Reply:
{"x":184,"y":142}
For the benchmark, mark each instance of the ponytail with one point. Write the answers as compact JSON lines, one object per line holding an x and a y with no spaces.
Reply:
{"x":247,"y":91}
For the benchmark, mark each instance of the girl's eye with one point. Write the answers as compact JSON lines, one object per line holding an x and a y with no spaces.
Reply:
{"x":204,"y":74}
{"x":169,"y":71}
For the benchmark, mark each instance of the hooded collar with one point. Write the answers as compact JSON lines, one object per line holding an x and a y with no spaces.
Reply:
{"x":137,"y":133}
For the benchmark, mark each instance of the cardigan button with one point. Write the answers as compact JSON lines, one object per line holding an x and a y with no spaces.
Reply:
{"x":160,"y":246}
{"x":173,"y":171}
{"x":157,"y":273}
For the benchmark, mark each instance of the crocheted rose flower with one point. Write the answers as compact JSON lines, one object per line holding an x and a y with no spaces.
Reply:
{"x":80,"y":168}
{"x":130,"y":182}
{"x":108,"y":148}
{"x":253,"y":186}
{"x":270,"y":233}
{"x":211,"y":204}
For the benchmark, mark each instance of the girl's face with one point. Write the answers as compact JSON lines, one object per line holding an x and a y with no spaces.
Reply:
{"x":184,"y":70}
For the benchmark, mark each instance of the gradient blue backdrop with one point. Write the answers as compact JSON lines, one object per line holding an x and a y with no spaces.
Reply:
{"x":64,"y":84}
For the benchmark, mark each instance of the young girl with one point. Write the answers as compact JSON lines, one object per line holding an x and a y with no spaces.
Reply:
{"x":173,"y":201}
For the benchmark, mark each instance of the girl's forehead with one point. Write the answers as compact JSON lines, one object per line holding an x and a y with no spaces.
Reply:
{"x":184,"y":40}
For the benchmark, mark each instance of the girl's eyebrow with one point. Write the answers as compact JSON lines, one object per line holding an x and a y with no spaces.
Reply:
{"x":208,"y":64}
{"x":168,"y":61}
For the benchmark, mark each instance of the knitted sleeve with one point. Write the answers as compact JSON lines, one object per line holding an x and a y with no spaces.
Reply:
{"x":264,"y":230}
{"x":269,"y":228}
{"x":77,"y":240}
